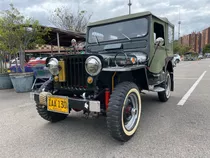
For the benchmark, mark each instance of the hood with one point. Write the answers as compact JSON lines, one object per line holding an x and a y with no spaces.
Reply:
{"x":123,"y":58}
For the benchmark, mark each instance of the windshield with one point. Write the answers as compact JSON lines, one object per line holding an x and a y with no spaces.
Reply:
{"x":120,"y":30}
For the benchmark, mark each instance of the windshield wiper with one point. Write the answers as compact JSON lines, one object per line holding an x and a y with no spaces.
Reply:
{"x":126,"y":36}
{"x":97,"y":41}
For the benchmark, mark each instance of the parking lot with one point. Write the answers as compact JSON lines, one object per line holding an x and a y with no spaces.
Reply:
{"x":177,"y":128}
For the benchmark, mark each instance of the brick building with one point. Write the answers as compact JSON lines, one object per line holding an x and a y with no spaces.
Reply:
{"x":198,"y":42}
{"x":192,"y":41}
{"x":185,"y":40}
{"x":205,"y":37}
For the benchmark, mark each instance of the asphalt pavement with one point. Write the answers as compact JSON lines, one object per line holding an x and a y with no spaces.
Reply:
{"x":166,"y":129}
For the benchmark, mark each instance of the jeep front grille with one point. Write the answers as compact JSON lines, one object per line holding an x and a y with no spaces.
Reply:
{"x":75,"y":73}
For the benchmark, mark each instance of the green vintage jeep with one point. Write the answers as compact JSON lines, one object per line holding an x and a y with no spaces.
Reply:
{"x":124,"y":56}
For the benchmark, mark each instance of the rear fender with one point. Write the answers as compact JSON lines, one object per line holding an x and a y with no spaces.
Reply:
{"x":170,"y":69}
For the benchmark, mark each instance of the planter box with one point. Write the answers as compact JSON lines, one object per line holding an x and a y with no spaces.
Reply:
{"x":22,"y":82}
{"x":5,"y":81}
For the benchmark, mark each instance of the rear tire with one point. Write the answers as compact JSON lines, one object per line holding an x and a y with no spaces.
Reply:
{"x":48,"y":115}
{"x":125,"y":103}
{"x":165,"y":95}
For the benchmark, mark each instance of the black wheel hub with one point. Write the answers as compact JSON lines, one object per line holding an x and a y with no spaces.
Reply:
{"x":128,"y":111}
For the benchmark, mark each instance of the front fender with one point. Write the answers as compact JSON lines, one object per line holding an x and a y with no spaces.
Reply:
{"x":47,"y":86}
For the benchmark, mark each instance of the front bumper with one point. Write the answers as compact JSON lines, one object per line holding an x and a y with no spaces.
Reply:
{"x":73,"y":103}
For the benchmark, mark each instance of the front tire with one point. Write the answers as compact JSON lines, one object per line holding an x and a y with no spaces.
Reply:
{"x":124,"y":111}
{"x":48,"y":115}
{"x":42,"y":110}
{"x":165,"y":95}
{"x":177,"y":60}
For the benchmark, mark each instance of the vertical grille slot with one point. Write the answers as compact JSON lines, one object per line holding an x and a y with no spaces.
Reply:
{"x":75,"y":72}
{"x":83,"y":67}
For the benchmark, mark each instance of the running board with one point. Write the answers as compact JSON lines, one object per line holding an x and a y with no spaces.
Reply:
{"x":156,"y":89}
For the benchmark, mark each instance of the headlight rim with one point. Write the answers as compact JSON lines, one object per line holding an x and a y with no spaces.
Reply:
{"x":100,"y":65}
{"x":55,"y":66}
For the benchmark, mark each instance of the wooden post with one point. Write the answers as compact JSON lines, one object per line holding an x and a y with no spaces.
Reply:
{"x":51,"y":48}
{"x":58,"y":41}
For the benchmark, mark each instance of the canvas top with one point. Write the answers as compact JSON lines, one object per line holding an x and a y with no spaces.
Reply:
{"x":129,"y":16}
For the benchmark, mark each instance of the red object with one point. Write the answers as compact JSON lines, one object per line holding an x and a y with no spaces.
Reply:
{"x":36,"y":62}
{"x":107,"y":96}
{"x":76,"y":110}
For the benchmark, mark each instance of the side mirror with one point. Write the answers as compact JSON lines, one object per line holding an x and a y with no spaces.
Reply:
{"x":159,"y":41}
{"x":154,"y":36}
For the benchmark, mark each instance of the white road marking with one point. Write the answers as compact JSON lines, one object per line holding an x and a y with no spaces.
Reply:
{"x":186,"y":96}
{"x":191,"y":79}
{"x":183,"y":78}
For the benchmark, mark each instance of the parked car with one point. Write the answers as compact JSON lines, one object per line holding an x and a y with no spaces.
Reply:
{"x":200,"y":56}
{"x":176,"y":59}
{"x":207,"y":55}
{"x":190,"y":56}
{"x":13,"y":63}
{"x":38,"y":62}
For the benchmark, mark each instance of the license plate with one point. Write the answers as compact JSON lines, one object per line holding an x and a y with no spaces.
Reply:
{"x":58,"y":104}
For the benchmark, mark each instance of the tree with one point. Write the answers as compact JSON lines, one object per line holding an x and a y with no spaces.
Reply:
{"x":18,"y":33}
{"x":65,"y":18}
{"x":206,"y":49}
{"x":176,"y":47}
{"x":180,"y":49}
{"x":3,"y":62}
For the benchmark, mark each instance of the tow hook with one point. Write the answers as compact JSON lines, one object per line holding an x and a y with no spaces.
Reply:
{"x":86,"y":114}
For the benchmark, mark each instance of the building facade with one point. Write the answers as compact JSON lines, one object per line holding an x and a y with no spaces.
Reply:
{"x":196,"y":41}
{"x":185,"y":40}
{"x":205,"y":37}
{"x":192,"y":40}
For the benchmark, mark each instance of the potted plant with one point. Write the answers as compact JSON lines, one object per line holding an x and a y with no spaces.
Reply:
{"x":20,"y":33}
{"x":5,"y":82}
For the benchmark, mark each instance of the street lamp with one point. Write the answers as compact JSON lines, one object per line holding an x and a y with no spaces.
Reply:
{"x":129,"y":6}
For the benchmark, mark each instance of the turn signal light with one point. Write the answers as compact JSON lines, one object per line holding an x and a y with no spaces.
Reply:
{"x":133,"y":60}
{"x":89,"y":80}
{"x":56,"y":78}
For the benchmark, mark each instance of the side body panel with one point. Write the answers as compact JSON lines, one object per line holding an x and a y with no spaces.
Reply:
{"x":162,"y":52}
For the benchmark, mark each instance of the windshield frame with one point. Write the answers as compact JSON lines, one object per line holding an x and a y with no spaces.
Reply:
{"x":121,"y":39}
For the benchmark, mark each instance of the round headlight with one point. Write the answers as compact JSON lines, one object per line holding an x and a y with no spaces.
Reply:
{"x":53,"y":66}
{"x":93,"y":65}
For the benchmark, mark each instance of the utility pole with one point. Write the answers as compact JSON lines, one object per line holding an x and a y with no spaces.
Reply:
{"x":179,"y":28}
{"x":129,"y":6}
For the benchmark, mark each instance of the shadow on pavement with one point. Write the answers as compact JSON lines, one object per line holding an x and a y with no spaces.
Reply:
{"x":94,"y":129}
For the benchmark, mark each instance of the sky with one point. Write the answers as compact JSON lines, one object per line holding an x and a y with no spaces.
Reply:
{"x":194,"y":14}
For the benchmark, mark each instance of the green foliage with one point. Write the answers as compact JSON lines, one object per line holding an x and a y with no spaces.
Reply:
{"x":180,"y":49}
{"x":18,"y":33}
{"x":206,"y":49}
{"x":3,"y":68}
